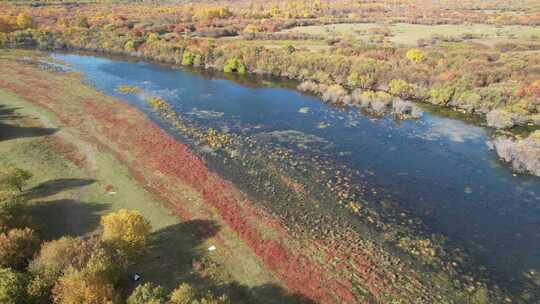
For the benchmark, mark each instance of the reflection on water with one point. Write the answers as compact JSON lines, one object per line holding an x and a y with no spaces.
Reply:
{"x":437,"y":167}
{"x":204,"y":114}
{"x":448,"y":129}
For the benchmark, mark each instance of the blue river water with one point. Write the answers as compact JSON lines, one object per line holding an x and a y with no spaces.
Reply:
{"x":439,"y":167}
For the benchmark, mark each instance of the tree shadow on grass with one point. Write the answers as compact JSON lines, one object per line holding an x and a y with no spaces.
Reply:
{"x":55,"y":186}
{"x":170,"y":259}
{"x":8,"y":113}
{"x":172,"y":250}
{"x":8,"y":131}
{"x":263,"y":294}
{"x":65,"y":217}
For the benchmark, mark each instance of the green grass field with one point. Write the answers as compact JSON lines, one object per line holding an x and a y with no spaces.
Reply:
{"x":105,"y":187}
{"x":408,"y":34}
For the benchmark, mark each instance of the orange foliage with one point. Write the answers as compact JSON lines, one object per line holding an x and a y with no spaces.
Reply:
{"x":6,"y":25}
{"x":531,"y":90}
{"x":448,"y":76}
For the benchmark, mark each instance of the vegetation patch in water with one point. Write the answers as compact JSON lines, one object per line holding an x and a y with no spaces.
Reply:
{"x":157,"y":103}
{"x":523,"y":154}
{"x":291,"y":180}
{"x":297,"y":138}
{"x":127,"y":89}
{"x":204,"y":114}
{"x":532,"y":288}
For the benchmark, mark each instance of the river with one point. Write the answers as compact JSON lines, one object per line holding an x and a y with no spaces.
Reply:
{"x":438,"y":167}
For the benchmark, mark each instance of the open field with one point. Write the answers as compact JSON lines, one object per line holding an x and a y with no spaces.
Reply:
{"x":89,"y":180}
{"x":409,"y":34}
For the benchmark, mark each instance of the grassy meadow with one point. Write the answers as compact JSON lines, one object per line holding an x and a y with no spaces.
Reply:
{"x":409,"y":34}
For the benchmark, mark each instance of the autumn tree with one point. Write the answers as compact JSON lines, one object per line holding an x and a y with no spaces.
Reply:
{"x":364,"y":81}
{"x":12,"y":287}
{"x":24,"y":21}
{"x":401,"y":88}
{"x":183,"y":294}
{"x":17,"y":247}
{"x":67,"y":259}
{"x":152,"y":38}
{"x":127,"y":231}
{"x":235,"y":65}
{"x":5,"y":25}
{"x":416,"y":55}
{"x":104,"y":265}
{"x":211,"y":13}
{"x":441,"y":95}
{"x":95,"y":283}
{"x":14,"y":178}
{"x":83,"y":287}
{"x":148,"y":293}
{"x":55,"y":257}
{"x":38,"y":290}
{"x":130,"y":46}
{"x":212,"y":299}
{"x":12,"y":211}
{"x":187,"y":58}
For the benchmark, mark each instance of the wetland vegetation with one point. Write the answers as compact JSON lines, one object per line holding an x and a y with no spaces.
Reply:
{"x":405,"y":171}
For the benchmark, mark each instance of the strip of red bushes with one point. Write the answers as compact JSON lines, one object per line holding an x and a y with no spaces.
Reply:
{"x":147,"y":148}
{"x":155,"y":150}
{"x":159,"y":162}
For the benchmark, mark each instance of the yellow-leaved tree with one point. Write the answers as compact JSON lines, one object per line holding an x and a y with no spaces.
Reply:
{"x":13,"y":178}
{"x":76,"y":287}
{"x":17,"y":246}
{"x":24,"y":21}
{"x":128,"y":231}
{"x":416,"y":55}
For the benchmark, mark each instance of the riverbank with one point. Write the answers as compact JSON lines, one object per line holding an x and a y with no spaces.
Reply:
{"x":484,"y":69}
{"x":509,"y":109}
{"x":161,"y":164}
{"x":346,"y":255}
{"x":229,"y":124}
{"x":498,"y":80}
{"x":124,"y":132}
{"x":77,"y":178}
